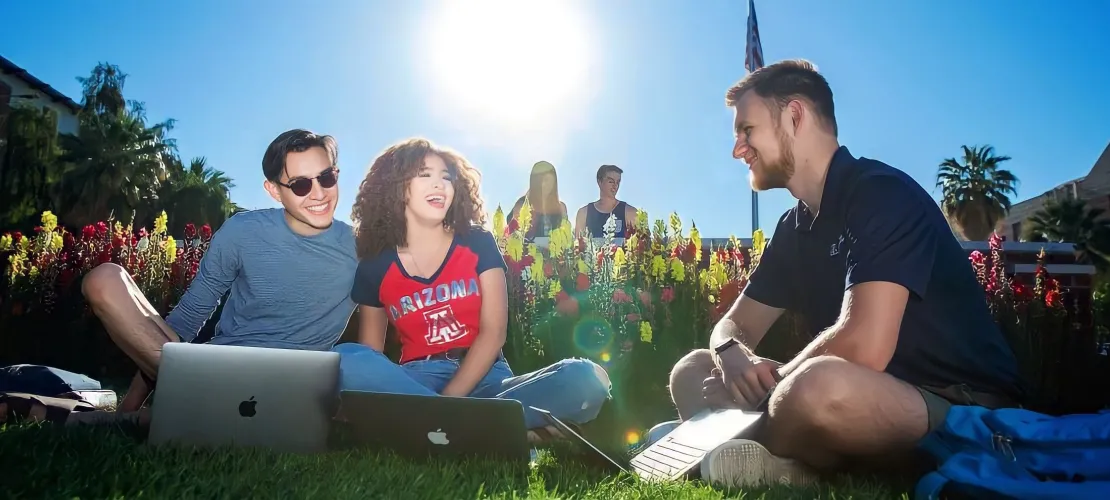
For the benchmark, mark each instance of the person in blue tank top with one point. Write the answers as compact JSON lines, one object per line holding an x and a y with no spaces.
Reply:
{"x":591,"y":218}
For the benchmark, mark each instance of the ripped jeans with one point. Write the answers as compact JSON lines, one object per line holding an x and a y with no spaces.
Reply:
{"x":573,"y":390}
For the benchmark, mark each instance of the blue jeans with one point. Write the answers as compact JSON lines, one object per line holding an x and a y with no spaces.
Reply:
{"x":572,"y":389}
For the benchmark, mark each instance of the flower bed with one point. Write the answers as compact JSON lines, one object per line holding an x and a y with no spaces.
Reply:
{"x":635,"y":307}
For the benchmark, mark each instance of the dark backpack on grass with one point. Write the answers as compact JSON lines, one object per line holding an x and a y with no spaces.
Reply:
{"x":1017,"y":453}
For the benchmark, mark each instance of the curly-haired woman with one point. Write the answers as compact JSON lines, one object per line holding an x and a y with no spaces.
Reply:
{"x":427,"y":266}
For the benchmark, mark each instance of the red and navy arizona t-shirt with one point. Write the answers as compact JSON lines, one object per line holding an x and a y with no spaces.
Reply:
{"x":433,"y":314}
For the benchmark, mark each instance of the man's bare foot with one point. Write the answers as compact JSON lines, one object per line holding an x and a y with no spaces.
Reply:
{"x":136,"y":395}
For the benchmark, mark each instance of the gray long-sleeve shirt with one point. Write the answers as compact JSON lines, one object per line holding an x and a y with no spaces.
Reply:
{"x":287,"y":291}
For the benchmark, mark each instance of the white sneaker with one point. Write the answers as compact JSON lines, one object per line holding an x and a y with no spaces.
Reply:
{"x":654,"y":434}
{"x":741,"y":462}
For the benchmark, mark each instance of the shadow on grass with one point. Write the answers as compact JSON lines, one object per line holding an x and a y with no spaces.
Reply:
{"x":50,"y":462}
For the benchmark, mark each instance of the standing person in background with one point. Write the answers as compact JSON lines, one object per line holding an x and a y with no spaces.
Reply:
{"x":548,"y":212}
{"x":591,"y":218}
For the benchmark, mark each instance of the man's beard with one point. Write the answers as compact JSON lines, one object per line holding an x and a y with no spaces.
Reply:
{"x":775,"y":174}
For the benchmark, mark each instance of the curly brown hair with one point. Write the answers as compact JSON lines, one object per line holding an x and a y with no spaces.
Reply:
{"x":379,"y":210}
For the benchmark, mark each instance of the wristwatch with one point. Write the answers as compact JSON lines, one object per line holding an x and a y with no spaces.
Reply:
{"x":725,"y":345}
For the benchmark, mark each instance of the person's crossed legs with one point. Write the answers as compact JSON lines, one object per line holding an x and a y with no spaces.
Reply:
{"x":828,"y":414}
{"x":132,"y":323}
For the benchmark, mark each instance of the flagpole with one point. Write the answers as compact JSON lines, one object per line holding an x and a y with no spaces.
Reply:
{"x":753,"y":60}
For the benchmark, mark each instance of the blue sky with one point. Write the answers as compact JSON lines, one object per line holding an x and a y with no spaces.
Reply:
{"x":644,"y":84}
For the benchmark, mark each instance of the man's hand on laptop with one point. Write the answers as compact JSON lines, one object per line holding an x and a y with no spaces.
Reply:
{"x":716,"y":395}
{"x":748,"y":380}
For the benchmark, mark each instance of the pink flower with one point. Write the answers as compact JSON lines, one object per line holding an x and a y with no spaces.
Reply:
{"x":632,"y":317}
{"x":668,"y":295}
{"x":621,"y":297}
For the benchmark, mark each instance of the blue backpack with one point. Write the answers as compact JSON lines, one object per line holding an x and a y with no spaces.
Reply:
{"x":1016,"y":453}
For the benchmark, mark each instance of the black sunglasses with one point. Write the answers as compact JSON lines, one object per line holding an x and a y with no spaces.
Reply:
{"x":302,"y":186}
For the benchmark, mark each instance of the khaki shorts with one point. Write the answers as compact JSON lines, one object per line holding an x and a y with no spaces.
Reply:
{"x":938,"y":400}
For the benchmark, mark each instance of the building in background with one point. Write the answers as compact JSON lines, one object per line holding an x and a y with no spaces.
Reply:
{"x":19,"y":87}
{"x":1093,"y":188}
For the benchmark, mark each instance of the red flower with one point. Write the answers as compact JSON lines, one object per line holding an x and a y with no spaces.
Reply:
{"x":582,"y":283}
{"x":190,"y":231}
{"x":511,"y":227}
{"x":101,"y":228}
{"x":977,"y":258}
{"x":667,"y":296}
{"x":205,"y":232}
{"x":621,"y":297}
{"x":88,"y":232}
{"x":17,"y":237}
{"x":548,"y":270}
{"x":1052,"y":299}
{"x":566,"y":305}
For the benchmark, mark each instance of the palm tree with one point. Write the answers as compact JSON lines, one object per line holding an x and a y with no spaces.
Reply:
{"x":1071,"y":221}
{"x":976,"y":192}
{"x":198,"y":194}
{"x":114,"y":165}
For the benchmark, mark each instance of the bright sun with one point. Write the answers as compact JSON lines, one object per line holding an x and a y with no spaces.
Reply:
{"x":509,"y":62}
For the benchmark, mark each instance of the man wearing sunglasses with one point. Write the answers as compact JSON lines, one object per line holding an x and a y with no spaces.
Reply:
{"x":289,"y":272}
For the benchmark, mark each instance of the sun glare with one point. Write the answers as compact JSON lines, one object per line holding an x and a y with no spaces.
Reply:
{"x":509,"y":62}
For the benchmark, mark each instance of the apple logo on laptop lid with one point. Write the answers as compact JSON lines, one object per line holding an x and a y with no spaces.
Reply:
{"x":247,"y":408}
{"x":438,"y":437}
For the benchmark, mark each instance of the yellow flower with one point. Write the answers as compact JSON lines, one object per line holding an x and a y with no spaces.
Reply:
{"x":498,"y":222}
{"x":34,"y":272}
{"x":57,"y":242}
{"x":695,"y":239}
{"x":676,"y":224}
{"x":658,"y":267}
{"x":618,"y":262}
{"x":5,"y":242}
{"x":24,"y":244}
{"x":758,"y":242}
{"x":537,"y":265}
{"x":515,"y":247}
{"x":641,"y":220}
{"x":525,"y":217}
{"x":645,"y":331}
{"x":556,"y":287}
{"x":560,"y":239}
{"x":678,"y":271}
{"x":159,"y":223}
{"x":171,"y":249}
{"x":49,"y":221}
{"x":582,"y":267}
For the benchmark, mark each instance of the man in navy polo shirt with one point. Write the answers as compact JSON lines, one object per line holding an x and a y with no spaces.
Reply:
{"x":900,"y":326}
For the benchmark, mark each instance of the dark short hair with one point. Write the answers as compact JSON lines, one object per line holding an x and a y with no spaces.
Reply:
{"x":294,"y":141}
{"x":606,"y":169}
{"x":785,"y":81}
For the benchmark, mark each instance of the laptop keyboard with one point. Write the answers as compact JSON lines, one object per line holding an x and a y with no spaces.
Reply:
{"x":666,"y":457}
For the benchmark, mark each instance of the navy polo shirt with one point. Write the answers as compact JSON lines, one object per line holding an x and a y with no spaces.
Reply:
{"x":877,"y":224}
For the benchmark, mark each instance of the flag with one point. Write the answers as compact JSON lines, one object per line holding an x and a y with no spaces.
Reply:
{"x":753,"y":51}
{"x":753,"y":60}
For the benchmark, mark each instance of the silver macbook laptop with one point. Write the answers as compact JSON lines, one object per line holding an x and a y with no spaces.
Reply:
{"x":680,"y":452}
{"x":213,"y":395}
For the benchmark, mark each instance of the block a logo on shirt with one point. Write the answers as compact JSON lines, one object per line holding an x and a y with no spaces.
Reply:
{"x":443,"y":328}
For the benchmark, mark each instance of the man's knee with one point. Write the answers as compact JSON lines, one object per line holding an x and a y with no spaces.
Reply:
{"x":694,"y":366}
{"x":814,"y":394}
{"x":98,"y":283}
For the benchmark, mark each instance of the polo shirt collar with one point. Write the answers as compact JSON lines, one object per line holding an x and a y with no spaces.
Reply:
{"x":830,"y":193}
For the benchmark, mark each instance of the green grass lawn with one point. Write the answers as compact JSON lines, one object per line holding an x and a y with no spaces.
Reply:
{"x":51,"y":462}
